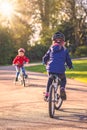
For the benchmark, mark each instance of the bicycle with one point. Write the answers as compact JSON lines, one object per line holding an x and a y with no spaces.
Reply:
{"x":55,"y":101}
{"x":21,"y":79}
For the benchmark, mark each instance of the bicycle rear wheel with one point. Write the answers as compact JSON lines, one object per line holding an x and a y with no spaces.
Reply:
{"x":58,"y":103}
{"x":59,"y":100}
{"x":51,"y":101}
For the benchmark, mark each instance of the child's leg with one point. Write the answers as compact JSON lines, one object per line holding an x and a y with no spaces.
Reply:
{"x":50,"y":79}
{"x":48,"y":87}
{"x":63,"y":80}
{"x":23,"y":70}
{"x":17,"y":72}
{"x":62,"y":86}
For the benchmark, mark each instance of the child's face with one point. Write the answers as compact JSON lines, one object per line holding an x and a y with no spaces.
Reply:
{"x":59,"y":40}
{"x":21,"y":53}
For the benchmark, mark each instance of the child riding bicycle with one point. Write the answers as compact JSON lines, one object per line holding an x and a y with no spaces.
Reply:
{"x":55,"y":59}
{"x":19,"y":62}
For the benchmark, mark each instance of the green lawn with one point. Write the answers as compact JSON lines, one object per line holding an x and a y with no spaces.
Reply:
{"x":79,"y":72}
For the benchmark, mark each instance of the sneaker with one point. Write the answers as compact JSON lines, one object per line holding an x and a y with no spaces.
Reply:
{"x":63,"y":94}
{"x":46,"y":96}
{"x":26,"y":76}
{"x":16,"y":79}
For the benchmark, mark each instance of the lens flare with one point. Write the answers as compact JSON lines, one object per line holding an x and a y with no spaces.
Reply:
{"x":6,"y":9}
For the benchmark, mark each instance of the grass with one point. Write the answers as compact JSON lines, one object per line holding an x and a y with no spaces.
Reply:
{"x":37,"y":68}
{"x":79,"y":72}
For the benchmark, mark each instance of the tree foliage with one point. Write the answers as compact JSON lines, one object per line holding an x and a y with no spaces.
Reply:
{"x":6,"y":46}
{"x":40,"y":19}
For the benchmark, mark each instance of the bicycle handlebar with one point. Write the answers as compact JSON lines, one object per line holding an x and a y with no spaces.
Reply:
{"x":20,"y":64}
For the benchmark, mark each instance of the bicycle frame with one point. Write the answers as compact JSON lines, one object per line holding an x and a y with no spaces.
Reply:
{"x":21,"y":78}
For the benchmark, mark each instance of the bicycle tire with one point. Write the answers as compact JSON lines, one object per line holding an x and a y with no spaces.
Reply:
{"x":27,"y":82}
{"x":23,"y":81}
{"x":20,"y":81}
{"x":59,"y":103}
{"x":51,"y":101}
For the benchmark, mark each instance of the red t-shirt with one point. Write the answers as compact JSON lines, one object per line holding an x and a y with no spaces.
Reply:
{"x":19,"y":60}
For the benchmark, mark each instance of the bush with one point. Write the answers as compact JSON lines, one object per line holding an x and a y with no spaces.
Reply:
{"x":81,"y":51}
{"x":37,"y":52}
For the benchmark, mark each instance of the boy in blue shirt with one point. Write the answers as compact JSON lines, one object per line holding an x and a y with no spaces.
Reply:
{"x":55,"y":60}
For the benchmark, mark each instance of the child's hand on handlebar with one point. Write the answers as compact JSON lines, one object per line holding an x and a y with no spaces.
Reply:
{"x":25,"y":62}
{"x":71,"y":67}
{"x":13,"y":64}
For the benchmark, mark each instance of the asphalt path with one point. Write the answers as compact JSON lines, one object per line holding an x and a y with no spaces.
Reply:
{"x":23,"y":108}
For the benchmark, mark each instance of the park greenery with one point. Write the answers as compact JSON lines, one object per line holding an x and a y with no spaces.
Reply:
{"x":31,"y":23}
{"x":79,"y":72}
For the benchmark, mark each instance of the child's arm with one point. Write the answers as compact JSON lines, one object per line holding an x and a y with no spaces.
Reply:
{"x":46,"y":57}
{"x":15,"y":60}
{"x":27,"y":60}
{"x":68,"y":60}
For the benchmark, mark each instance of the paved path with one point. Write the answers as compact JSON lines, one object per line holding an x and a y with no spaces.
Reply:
{"x":24,"y":109}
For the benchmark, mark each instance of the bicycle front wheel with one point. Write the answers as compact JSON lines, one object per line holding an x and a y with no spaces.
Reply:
{"x":51,"y":101}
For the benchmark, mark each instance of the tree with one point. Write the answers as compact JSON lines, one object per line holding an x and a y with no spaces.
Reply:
{"x":15,"y":29}
{"x":6,"y":46}
{"x":40,"y":19}
{"x":77,"y":18}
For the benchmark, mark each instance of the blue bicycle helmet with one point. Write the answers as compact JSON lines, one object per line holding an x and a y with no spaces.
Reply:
{"x":58,"y":35}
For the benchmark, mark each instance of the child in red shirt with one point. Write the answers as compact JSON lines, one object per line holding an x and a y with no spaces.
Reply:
{"x":19,"y":61}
